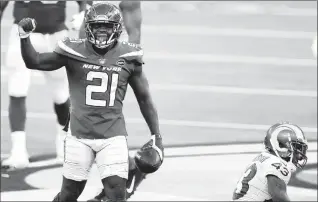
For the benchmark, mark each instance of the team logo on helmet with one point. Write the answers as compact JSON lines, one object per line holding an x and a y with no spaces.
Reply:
{"x":288,"y":142}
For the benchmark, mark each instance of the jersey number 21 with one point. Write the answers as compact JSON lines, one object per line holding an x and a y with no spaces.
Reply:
{"x":104,"y":77}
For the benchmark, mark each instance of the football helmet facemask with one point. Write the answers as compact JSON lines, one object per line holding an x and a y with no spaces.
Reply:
{"x":288,"y":142}
{"x":103,"y":24}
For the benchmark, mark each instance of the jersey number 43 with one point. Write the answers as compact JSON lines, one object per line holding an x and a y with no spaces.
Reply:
{"x":103,"y":88}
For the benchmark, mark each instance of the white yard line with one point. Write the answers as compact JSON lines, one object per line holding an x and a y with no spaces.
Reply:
{"x":38,"y":115}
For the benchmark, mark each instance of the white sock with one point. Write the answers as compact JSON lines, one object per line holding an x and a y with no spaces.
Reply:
{"x":18,"y":139}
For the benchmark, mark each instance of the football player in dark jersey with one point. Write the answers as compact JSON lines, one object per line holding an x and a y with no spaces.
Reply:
{"x":99,"y":69}
{"x":132,"y":19}
{"x":50,"y":17}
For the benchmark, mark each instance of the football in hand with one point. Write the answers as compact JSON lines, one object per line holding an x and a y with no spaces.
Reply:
{"x":148,"y":160}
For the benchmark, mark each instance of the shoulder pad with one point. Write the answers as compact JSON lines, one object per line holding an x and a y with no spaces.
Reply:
{"x":277,"y":167}
{"x":70,"y":47}
{"x":132,"y":52}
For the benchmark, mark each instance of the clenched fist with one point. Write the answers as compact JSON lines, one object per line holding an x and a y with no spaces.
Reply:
{"x":26,"y":26}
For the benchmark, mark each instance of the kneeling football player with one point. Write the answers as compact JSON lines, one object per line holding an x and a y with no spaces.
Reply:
{"x":267,"y":176}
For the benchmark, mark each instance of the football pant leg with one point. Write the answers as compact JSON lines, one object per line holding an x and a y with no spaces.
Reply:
{"x":112,"y":157}
{"x":78,"y":158}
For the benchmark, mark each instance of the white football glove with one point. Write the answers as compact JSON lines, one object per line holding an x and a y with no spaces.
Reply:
{"x":26,"y":26}
{"x":77,"y":21}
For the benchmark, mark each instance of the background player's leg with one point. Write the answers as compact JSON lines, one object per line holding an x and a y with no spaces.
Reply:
{"x":57,"y":81}
{"x":112,"y":162}
{"x":79,"y":158}
{"x":18,"y":85}
{"x":58,"y":86}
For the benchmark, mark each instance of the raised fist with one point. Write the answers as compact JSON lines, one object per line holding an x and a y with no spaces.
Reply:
{"x":26,"y":26}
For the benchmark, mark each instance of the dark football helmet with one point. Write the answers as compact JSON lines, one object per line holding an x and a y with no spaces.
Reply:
{"x":103,"y":24}
{"x":150,"y":157}
{"x":287,"y":141}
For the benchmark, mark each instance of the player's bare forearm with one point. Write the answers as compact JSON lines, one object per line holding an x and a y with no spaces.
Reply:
{"x":149,"y":113}
{"x":140,"y":87}
{"x":131,"y":11}
{"x":39,"y":61}
{"x":277,"y":188}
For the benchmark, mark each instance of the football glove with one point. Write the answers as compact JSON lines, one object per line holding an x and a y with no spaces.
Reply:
{"x":150,"y":157}
{"x":77,"y":21}
{"x":26,"y":26}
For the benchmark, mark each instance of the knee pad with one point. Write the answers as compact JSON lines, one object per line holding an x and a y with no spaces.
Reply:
{"x":115,"y":188}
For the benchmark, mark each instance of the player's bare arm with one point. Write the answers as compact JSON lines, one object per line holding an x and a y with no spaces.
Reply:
{"x":39,"y":61}
{"x":34,"y":60}
{"x":140,"y":86}
{"x":277,"y":188}
{"x":131,"y":11}
{"x":3,"y":5}
{"x":148,"y":159}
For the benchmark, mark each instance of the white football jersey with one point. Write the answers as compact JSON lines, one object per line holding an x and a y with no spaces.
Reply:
{"x":253,"y":184}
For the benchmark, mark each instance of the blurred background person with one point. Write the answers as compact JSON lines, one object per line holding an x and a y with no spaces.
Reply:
{"x":51,"y":27}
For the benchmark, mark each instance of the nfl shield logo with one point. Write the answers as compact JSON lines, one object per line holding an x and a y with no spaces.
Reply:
{"x":102,"y":61}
